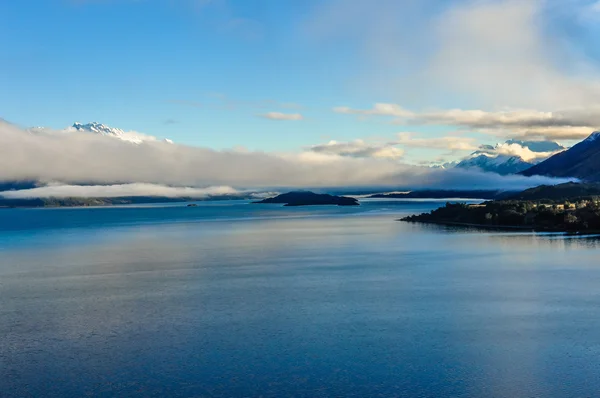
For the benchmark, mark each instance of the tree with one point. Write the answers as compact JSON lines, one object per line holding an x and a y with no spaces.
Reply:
{"x":571,"y":219}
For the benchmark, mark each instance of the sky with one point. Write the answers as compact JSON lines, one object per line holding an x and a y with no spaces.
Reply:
{"x":408,"y":82}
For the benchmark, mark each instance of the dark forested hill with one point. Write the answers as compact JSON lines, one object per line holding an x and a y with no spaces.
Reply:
{"x":561,"y":192}
{"x":581,"y":161}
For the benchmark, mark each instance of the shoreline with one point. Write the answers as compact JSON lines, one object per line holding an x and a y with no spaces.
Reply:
{"x":516,"y":228}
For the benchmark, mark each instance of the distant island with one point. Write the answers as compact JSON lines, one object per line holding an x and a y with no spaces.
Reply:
{"x":307,"y":198}
{"x":567,"y":207}
{"x":103,"y":201}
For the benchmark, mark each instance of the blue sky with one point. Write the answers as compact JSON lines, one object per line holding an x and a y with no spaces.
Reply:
{"x":135,"y":64}
{"x":205,"y":72}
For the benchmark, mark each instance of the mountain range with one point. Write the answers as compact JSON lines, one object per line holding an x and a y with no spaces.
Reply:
{"x":102,"y":129}
{"x":528,"y":158}
{"x":510,"y":157}
{"x":581,"y":161}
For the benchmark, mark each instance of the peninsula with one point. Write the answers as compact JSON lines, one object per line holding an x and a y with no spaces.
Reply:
{"x":560,"y":208}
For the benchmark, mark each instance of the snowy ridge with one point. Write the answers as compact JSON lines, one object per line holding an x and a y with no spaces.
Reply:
{"x":511,"y":156}
{"x":98,"y":128}
{"x":102,"y":129}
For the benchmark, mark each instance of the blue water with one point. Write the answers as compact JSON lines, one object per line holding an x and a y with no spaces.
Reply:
{"x":230,"y":299}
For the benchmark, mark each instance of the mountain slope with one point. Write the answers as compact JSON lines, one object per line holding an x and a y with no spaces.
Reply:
{"x":500,"y":164}
{"x":510,"y":157}
{"x":102,"y":129}
{"x":560,"y":192}
{"x":581,"y":161}
{"x":98,"y":128}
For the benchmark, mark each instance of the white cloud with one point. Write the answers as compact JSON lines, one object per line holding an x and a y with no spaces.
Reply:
{"x":497,"y":52}
{"x":452,"y":143}
{"x":571,"y":124}
{"x":547,"y":133}
{"x":521,"y":151}
{"x":117,"y":190}
{"x":359,"y":149}
{"x":282,"y":116}
{"x":479,"y":118}
{"x":379,"y":109}
{"x":485,"y":53}
{"x":76,"y":158}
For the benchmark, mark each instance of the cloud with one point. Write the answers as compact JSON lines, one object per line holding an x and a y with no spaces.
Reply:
{"x":574,"y":123}
{"x":529,"y":65}
{"x":565,"y":124}
{"x":521,"y":151}
{"x":91,"y":159}
{"x":484,"y":53}
{"x":549,"y":133}
{"x":390,"y":150}
{"x":282,"y":116}
{"x":359,"y":149}
{"x":118,"y":190}
{"x":452,"y":143}
{"x":483,"y":119}
{"x":379,"y":109}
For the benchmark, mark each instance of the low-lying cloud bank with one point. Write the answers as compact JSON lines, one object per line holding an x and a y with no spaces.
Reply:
{"x":86,"y":158}
{"x":118,"y":191}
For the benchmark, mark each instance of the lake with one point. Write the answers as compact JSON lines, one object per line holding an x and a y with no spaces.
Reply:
{"x":230,"y":299}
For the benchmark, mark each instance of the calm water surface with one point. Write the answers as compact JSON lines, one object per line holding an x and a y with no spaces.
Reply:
{"x":238,"y":300}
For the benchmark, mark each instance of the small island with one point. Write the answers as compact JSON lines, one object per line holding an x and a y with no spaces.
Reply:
{"x":545,"y":208}
{"x":307,"y":198}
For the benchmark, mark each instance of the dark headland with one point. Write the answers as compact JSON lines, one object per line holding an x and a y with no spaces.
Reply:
{"x":567,"y":207}
{"x":307,"y":198}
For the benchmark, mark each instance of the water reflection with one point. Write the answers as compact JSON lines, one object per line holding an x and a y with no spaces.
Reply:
{"x":557,"y":240}
{"x":342,"y":305}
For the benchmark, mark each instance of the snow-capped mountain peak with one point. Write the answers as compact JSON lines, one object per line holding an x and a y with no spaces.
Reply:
{"x":102,"y":129}
{"x":98,"y":128}
{"x":510,"y":157}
